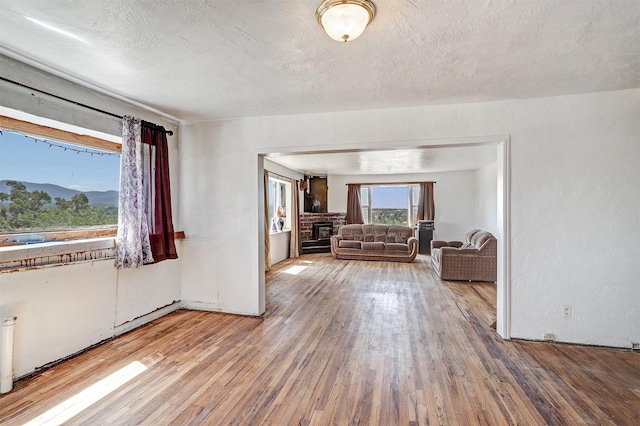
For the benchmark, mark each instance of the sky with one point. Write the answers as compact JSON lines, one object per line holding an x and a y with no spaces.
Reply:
{"x":390,"y":197}
{"x":24,"y":159}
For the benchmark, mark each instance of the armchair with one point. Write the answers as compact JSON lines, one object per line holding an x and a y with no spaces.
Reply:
{"x":475,"y":259}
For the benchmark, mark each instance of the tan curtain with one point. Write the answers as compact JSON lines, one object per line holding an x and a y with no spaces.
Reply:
{"x":354,"y":207}
{"x":295,"y":245}
{"x":426,"y":205}
{"x":267,"y":223}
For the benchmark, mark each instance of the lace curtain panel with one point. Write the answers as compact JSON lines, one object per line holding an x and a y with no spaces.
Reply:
{"x":133,"y":248}
{"x":145,"y":228}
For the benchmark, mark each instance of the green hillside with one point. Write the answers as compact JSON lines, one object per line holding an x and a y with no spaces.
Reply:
{"x":389,"y":216}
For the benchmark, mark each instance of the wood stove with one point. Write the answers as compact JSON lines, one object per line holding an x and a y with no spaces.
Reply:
{"x":322,"y":230}
{"x":321,"y":233}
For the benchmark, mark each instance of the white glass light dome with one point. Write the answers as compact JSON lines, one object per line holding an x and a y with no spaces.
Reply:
{"x":345,"y":20}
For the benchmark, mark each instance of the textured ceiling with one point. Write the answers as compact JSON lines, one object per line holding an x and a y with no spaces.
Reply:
{"x":201,"y":60}
{"x":397,"y":161}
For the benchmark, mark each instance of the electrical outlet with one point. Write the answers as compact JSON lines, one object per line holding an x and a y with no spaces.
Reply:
{"x":549,"y":337}
{"x":635,"y":346}
{"x":566,"y":311}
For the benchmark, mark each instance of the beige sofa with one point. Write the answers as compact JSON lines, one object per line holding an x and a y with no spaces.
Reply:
{"x":375,"y":242}
{"x":475,"y":259}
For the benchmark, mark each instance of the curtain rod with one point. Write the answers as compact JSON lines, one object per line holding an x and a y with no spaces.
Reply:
{"x":280,"y":176}
{"x":391,"y":183}
{"x":158,"y":127}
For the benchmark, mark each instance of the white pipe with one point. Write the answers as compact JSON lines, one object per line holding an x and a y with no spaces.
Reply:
{"x":6,"y":367}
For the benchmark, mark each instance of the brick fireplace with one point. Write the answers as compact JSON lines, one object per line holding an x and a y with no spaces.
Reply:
{"x":319,"y":243}
{"x":307,"y":220}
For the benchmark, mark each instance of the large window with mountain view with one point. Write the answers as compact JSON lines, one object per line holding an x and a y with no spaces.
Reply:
{"x":390,"y":204}
{"x":48,"y":186}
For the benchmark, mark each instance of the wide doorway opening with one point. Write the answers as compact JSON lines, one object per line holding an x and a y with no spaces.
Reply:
{"x":417,"y":160}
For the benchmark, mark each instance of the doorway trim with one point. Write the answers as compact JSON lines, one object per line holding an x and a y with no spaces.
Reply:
{"x":503,"y":158}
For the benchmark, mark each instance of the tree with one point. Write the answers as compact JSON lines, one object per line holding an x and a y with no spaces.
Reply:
{"x":80,"y":202}
{"x":25,"y":200}
{"x":25,"y":206}
{"x":34,"y":210}
{"x":4,"y":211}
{"x":63,"y":204}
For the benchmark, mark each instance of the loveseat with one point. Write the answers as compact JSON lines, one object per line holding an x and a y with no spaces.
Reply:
{"x":474,"y":259}
{"x":375,"y":242}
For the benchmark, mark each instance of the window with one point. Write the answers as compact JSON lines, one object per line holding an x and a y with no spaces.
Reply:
{"x":51,"y":189}
{"x":278,"y":196}
{"x":390,"y":204}
{"x":365,"y":203}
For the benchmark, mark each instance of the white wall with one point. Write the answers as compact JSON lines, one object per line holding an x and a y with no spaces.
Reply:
{"x":486,"y":198}
{"x":282,"y":170}
{"x":279,"y":246}
{"x":58,"y":315}
{"x":454,"y":197}
{"x":64,"y":309}
{"x":574,"y":192}
{"x":221,"y":202}
{"x":280,"y":241}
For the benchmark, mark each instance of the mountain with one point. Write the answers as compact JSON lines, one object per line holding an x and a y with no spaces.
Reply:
{"x":96,"y":198}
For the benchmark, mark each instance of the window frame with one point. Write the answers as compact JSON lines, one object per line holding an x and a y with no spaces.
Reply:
{"x":20,"y":238}
{"x":412,"y":207}
{"x":283,"y":188}
{"x":366,"y":207}
{"x":414,"y":199}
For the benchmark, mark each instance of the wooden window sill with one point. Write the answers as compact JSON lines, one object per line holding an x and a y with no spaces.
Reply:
{"x":26,"y":256}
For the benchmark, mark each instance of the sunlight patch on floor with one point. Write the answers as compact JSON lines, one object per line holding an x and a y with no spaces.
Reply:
{"x":295,"y":269}
{"x":74,"y":405}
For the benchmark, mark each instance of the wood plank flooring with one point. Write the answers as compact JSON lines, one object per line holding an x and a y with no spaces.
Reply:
{"x":343,"y":342}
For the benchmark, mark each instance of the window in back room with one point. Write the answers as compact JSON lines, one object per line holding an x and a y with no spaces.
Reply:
{"x":279,"y":204}
{"x":390,"y":204}
{"x":49,"y":187}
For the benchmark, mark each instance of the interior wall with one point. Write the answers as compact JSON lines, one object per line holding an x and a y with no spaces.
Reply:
{"x":282,"y":170}
{"x":64,"y":309}
{"x":454,"y":196}
{"x":221,"y":204}
{"x":58,"y":315}
{"x":574,"y":161}
{"x":486,"y":198}
{"x":280,"y":241}
{"x":279,"y":246}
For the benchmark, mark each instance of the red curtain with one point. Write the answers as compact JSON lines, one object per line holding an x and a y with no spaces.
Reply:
{"x":158,"y":192}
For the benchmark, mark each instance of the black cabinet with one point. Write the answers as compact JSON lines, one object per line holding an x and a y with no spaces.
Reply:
{"x":425,"y":235}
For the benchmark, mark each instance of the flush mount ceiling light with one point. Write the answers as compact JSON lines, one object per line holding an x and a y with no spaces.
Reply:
{"x":345,"y":20}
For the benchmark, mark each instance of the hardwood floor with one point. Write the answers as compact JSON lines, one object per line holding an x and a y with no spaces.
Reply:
{"x":342,"y":342}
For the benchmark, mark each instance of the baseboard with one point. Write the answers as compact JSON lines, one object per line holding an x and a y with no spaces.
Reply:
{"x":211,"y":307}
{"x":199,"y":306}
{"x":142,"y":320}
